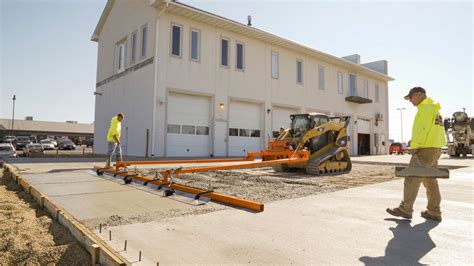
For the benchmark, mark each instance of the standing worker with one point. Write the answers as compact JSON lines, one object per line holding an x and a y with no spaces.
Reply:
{"x":113,"y":138}
{"x":426,"y":141}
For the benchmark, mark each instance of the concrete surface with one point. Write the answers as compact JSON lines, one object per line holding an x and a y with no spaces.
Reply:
{"x":86,"y":196}
{"x":444,"y":160}
{"x":344,"y":227}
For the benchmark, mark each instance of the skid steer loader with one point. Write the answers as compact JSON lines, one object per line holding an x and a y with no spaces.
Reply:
{"x":325,"y":138}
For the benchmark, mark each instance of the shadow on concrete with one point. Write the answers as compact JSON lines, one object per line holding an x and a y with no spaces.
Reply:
{"x":408,"y":245}
{"x":68,"y":170}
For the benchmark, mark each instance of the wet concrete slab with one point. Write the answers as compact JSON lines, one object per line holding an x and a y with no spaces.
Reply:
{"x":87,"y":196}
{"x":120,"y":203}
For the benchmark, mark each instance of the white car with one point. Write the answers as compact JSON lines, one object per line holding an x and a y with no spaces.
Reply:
{"x":55,"y":143}
{"x":7,"y":150}
{"x":47,"y":144}
{"x":33,"y":149}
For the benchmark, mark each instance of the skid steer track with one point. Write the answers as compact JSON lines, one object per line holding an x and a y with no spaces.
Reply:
{"x":314,"y":165}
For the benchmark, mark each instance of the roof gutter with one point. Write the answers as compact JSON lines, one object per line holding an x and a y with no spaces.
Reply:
{"x":103,"y":18}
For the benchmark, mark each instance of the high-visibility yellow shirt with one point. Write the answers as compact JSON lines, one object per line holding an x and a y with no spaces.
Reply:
{"x":114,"y":129}
{"x":428,"y":128}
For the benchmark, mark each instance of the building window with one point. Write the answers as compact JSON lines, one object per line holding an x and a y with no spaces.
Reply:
{"x":366,"y":89}
{"x":195,"y":45}
{"x":377,"y":93}
{"x":340,"y":88}
{"x":121,"y":48}
{"x":176,"y":40}
{"x":133,"y":52}
{"x":174,"y":129}
{"x":224,"y":52}
{"x":240,"y":56}
{"x":321,"y":77}
{"x":202,"y":130}
{"x":233,"y":132}
{"x":144,"y":41}
{"x":188,"y":130}
{"x":243,"y":132}
{"x":255,"y":133}
{"x":299,"y":71}
{"x":275,"y":65}
{"x":352,"y":85}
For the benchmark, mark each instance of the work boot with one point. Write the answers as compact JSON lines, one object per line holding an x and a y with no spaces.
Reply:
{"x":427,"y":215}
{"x":397,"y":212}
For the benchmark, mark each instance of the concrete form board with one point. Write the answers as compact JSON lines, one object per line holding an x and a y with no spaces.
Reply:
{"x":101,"y":253}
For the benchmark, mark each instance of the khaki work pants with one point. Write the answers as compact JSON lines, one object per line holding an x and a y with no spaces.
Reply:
{"x":423,"y":157}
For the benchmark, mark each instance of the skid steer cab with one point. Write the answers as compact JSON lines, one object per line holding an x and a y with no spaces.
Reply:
{"x":325,"y":138}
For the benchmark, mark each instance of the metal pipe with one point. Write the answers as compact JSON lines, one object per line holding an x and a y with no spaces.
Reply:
{"x":155,"y":83}
{"x":13,"y":114}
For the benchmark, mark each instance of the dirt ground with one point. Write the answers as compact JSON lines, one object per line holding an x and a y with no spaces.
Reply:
{"x":258,"y":184}
{"x":28,"y":236}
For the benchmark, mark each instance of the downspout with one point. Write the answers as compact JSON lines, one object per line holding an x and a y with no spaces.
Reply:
{"x":155,"y":82}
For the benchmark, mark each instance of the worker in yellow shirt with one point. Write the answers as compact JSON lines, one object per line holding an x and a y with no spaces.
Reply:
{"x":427,"y":139}
{"x":113,"y":138}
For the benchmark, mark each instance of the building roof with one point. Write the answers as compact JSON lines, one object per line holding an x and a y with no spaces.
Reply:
{"x":206,"y":17}
{"x":44,"y":126}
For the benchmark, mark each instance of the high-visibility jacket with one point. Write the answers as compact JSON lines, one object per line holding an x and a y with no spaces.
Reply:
{"x":428,"y":128}
{"x":114,"y":129}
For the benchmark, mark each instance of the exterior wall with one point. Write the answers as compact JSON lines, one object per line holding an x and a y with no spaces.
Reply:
{"x":131,"y":93}
{"x":255,"y":84}
{"x":134,"y":93}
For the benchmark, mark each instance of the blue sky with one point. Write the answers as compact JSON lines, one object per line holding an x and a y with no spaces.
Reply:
{"x":49,"y":62}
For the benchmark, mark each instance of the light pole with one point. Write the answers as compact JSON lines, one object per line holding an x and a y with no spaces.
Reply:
{"x":401,"y":121}
{"x":13,"y":113}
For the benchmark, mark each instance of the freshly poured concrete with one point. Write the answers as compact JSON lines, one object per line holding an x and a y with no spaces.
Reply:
{"x":87,"y":196}
{"x":346,"y":227}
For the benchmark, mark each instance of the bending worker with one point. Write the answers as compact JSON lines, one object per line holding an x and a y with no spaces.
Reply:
{"x":113,"y":138}
{"x":427,"y":139}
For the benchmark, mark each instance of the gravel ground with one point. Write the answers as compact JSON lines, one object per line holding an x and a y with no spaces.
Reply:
{"x":258,"y":184}
{"x":28,"y":236}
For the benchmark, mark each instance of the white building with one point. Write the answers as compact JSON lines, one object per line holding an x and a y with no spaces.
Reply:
{"x":192,"y":83}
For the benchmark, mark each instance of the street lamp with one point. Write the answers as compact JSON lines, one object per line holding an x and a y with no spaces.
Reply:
{"x":401,"y":120}
{"x":13,"y":113}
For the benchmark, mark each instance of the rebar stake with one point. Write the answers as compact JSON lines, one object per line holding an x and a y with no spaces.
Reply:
{"x":125,"y":246}
{"x":110,"y":235}
{"x":140,"y":256}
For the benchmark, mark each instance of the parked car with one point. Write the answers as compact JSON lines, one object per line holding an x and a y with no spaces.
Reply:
{"x":9,"y":139}
{"x":90,"y":142}
{"x":33,"y":149}
{"x":444,"y":149}
{"x":397,"y":148}
{"x":22,"y":141}
{"x":77,"y":141}
{"x":7,"y":150}
{"x":66,"y":145}
{"x":55,"y":143}
{"x":47,"y":144}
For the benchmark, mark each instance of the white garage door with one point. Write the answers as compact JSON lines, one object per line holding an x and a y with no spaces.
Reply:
{"x":245,"y":128}
{"x":281,"y":118}
{"x":363,"y":126}
{"x":188,"y":132}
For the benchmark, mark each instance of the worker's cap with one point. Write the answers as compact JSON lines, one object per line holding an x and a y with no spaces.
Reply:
{"x":413,"y":91}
